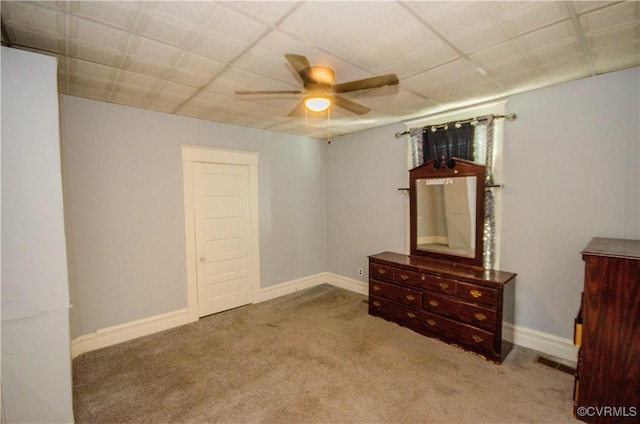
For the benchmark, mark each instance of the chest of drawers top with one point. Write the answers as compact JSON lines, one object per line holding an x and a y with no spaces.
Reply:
{"x":418,"y":266}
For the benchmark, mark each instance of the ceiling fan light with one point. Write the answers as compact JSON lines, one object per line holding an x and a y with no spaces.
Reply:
{"x":317,"y":103}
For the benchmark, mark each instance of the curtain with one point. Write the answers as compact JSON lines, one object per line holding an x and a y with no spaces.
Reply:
{"x":449,"y":142}
{"x":416,"y":143}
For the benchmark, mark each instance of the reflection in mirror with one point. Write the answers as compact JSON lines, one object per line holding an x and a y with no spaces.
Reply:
{"x":447,"y":211}
{"x":446,"y":214}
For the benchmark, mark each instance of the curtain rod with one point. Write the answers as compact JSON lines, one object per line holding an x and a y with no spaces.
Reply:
{"x":510,"y":117}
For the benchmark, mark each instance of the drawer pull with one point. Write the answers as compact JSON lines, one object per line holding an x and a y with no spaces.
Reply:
{"x":423,"y":278}
{"x":431,"y":322}
{"x":381,"y":271}
{"x":411,"y":315}
{"x":404,"y":277}
{"x":475,"y":293}
{"x":376,"y":303}
{"x":477,"y":338}
{"x":410,"y":297}
{"x":433,"y":303}
{"x":480,"y":317}
{"x":444,"y":286}
{"x":376,"y":288}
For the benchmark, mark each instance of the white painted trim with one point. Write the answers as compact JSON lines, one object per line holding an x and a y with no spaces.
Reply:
{"x":542,"y":342}
{"x":289,"y":287}
{"x":293,"y":286}
{"x":347,"y":283}
{"x":190,"y":155}
{"x":522,"y":336}
{"x":128,"y":331}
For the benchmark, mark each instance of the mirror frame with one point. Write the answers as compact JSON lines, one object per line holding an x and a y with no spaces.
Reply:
{"x":462,"y":168}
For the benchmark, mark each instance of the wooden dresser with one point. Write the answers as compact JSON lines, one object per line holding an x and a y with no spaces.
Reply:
{"x":607,"y":385}
{"x":457,"y":303}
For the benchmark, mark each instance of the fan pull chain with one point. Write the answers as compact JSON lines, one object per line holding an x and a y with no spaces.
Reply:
{"x":329,"y":126}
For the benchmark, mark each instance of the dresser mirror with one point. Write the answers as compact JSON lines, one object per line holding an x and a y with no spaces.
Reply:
{"x":447,"y":210}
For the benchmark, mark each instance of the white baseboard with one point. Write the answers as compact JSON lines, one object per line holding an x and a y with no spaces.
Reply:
{"x":346,"y":283}
{"x":289,"y":287}
{"x":542,"y":342}
{"x":128,"y":331}
{"x":522,"y":336}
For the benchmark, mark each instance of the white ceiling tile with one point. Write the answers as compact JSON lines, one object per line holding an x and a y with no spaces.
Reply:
{"x":31,"y":16}
{"x":191,"y":14}
{"x":209,"y":46}
{"x":372,"y":45}
{"x":89,"y":92}
{"x":507,"y":52}
{"x":616,"y":57}
{"x":93,"y":53}
{"x":616,"y":16}
{"x":189,"y":57}
{"x":122,"y":15}
{"x":177,"y":90}
{"x":187,"y":77}
{"x":570,"y":69}
{"x":134,"y":79}
{"x":98,"y":35}
{"x":164,"y":30}
{"x":227,"y":25}
{"x":154,"y":52}
{"x":560,"y":33}
{"x":123,"y":97}
{"x":519,"y":17}
{"x":267,"y":57}
{"x":88,"y":81}
{"x":49,"y":43}
{"x":590,"y":5}
{"x":146,"y":67}
{"x":200,"y":64}
{"x":92,"y":69}
{"x":269,"y":12}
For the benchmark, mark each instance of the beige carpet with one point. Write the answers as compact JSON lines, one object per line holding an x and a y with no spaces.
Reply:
{"x":315,"y":356}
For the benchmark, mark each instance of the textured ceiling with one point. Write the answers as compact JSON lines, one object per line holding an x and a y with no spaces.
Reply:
{"x":188,"y":58}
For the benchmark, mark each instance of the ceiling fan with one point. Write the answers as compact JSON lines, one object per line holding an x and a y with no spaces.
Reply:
{"x":321,"y":92}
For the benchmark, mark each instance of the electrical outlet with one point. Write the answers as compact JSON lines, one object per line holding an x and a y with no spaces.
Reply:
{"x":359,"y":271}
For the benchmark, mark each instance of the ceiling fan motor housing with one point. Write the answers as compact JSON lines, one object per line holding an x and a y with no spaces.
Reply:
{"x":318,"y":77}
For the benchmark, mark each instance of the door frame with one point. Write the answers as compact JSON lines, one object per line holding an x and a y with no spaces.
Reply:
{"x":191,"y":155}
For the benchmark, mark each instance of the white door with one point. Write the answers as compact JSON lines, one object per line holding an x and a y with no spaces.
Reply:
{"x":223,"y":236}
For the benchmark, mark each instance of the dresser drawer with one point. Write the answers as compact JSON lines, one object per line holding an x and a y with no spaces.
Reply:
{"x":478,"y":294}
{"x":438,"y":284}
{"x":406,"y":316}
{"x":467,"y":335}
{"x":478,"y":339}
{"x":468,"y":313}
{"x":411,"y":278}
{"x":381,"y":272}
{"x":395,"y":293}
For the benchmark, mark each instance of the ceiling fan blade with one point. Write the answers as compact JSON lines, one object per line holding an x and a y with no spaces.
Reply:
{"x":373,"y":82}
{"x":299,"y":63}
{"x":349,"y":105}
{"x":269,"y":92}
{"x":297,"y":111}
{"x":301,"y":66}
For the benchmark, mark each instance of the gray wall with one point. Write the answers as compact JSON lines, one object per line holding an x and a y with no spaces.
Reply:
{"x":124,"y":207}
{"x":366,"y":213}
{"x":36,"y":357}
{"x":570,"y":170}
{"x":571,"y":165}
